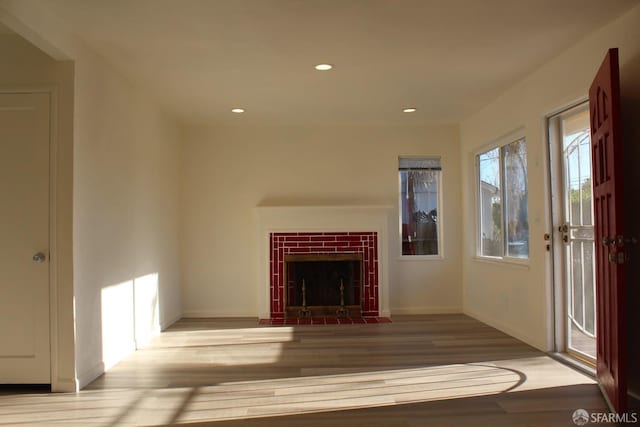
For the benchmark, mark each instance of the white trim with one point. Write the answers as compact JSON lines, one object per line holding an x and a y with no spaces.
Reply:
{"x":167,"y":324}
{"x":88,"y":376}
{"x":565,"y":107}
{"x":505,"y":139}
{"x":557,"y":286}
{"x":66,"y":385}
{"x":507,"y":261}
{"x":554,"y":197}
{"x":550,"y":328}
{"x":409,"y":311}
{"x":574,"y":363}
{"x":52,"y":258}
{"x":57,"y":383}
{"x":476,"y":217}
{"x":440,"y":212}
{"x":524,"y":337}
{"x":516,"y":134}
{"x":422,"y":258}
{"x":53,"y":238}
{"x":208,"y":314}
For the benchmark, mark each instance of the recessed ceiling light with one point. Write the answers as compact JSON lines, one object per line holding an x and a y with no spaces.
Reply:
{"x":409,"y":110}
{"x":238,"y":110}
{"x":324,"y":67}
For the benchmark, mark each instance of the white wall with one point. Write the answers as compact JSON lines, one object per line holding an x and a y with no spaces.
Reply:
{"x":126,"y":158}
{"x":26,"y":68}
{"x":512,"y":298}
{"x":125,"y":215}
{"x":228,"y":172}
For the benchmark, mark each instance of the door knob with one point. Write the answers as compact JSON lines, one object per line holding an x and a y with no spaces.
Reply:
{"x":39,"y":257}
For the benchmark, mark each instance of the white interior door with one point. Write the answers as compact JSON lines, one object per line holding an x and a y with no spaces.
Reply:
{"x":24,"y":238}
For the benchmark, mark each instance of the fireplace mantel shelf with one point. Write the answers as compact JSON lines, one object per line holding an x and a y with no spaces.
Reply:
{"x":300,"y":213}
{"x":339,"y":207}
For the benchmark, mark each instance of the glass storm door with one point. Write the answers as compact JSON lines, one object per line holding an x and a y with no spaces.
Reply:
{"x":571,"y":150}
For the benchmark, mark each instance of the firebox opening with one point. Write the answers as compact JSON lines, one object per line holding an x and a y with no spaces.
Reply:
{"x":323,"y":285}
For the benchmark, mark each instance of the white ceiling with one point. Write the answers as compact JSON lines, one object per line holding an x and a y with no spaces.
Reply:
{"x":200,"y":58}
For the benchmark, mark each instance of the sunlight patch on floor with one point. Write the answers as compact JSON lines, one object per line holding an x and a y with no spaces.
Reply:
{"x":287,"y":396}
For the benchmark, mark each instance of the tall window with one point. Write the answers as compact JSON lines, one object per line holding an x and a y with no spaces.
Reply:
{"x":503,"y":215}
{"x":419,"y":205}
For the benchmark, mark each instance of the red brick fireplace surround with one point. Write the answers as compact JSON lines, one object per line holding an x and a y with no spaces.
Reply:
{"x":365,"y":243}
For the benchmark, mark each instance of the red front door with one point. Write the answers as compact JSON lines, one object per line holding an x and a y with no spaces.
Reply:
{"x":606,"y":148}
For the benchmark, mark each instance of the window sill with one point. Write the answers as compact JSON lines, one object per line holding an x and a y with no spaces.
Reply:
{"x":523,"y":264}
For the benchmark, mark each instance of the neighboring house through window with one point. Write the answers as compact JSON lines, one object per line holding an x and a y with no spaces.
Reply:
{"x":420,"y":189}
{"x":502,"y":201}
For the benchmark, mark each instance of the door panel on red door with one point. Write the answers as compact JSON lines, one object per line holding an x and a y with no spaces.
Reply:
{"x":606,"y":140}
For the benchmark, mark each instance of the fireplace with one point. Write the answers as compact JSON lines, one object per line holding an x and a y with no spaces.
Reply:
{"x":327,"y":284}
{"x":319,"y":255}
{"x":313,"y":230}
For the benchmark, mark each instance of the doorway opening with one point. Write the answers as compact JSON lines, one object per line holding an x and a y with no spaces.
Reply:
{"x":572,"y":213}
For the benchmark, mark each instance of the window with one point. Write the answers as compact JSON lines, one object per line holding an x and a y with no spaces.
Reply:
{"x":419,"y":205}
{"x":503,"y":216}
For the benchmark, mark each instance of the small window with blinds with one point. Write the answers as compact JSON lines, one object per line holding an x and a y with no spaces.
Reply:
{"x":420,"y":189}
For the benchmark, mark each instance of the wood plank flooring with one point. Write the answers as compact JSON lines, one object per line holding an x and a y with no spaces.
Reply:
{"x":440,"y":370}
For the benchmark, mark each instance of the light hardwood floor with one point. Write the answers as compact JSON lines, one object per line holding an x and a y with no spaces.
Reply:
{"x":441,"y":370}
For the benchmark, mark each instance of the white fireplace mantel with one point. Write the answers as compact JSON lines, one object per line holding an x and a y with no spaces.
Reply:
{"x":274,"y":219}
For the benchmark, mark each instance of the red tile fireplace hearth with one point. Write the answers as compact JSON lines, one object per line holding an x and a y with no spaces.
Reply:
{"x":358,"y":274}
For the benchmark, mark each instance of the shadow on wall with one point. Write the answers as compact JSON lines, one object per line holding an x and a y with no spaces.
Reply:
{"x":130,"y":317}
{"x":630,"y":109}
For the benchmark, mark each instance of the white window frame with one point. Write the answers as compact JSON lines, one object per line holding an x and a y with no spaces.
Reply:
{"x":440,"y":211}
{"x":499,"y":144}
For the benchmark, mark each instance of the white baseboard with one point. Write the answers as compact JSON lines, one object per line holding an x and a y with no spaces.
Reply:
{"x":407,"y":311}
{"x":142,"y":341}
{"x":506,"y":329}
{"x":213,"y":314}
{"x":191,"y":314}
{"x":65,"y":385}
{"x":91,"y":374}
{"x":87,"y":377}
{"x":167,"y":323}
